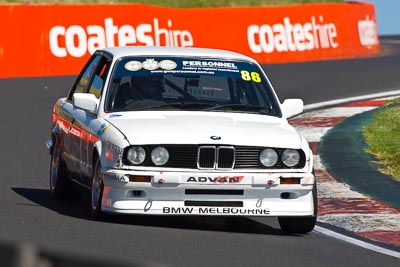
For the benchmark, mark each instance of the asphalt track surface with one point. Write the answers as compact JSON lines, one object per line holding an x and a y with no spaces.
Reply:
{"x":30,"y":216}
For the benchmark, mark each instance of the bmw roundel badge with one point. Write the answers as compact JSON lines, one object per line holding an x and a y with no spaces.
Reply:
{"x":215,"y":137}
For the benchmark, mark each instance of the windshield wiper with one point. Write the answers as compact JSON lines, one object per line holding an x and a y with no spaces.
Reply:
{"x":242,"y":107}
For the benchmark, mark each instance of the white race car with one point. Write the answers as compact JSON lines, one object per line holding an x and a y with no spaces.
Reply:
{"x":181,"y":131}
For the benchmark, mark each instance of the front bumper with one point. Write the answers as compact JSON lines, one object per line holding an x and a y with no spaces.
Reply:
{"x":214,"y":193}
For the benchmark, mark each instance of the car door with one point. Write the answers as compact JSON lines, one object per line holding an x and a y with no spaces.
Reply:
{"x":81,"y":137}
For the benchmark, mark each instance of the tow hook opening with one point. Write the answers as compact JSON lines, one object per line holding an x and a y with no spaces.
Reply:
{"x":138,"y":193}
{"x":289,"y":195}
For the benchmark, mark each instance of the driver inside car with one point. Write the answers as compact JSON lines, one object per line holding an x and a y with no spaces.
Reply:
{"x":147,"y":87}
{"x":139,"y":88}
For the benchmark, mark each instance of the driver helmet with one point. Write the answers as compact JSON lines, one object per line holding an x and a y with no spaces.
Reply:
{"x":148,"y":86}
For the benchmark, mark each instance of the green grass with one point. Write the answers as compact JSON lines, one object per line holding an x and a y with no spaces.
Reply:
{"x":176,"y":3}
{"x":383,"y":137}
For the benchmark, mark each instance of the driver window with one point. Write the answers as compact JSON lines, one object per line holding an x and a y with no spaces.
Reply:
{"x":96,"y":86}
{"x":99,"y":77}
{"x":92,"y":77}
{"x":82,"y":85}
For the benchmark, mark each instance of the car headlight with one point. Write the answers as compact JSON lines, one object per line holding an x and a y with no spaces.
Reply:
{"x":290,"y":157}
{"x":136,"y":155}
{"x":159,"y":156}
{"x":268,"y":157}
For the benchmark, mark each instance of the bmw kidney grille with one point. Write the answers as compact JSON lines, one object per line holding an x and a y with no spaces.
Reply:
{"x":213,"y":157}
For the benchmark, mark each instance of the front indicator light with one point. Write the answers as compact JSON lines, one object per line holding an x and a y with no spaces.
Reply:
{"x":139,"y":179}
{"x":290,"y":180}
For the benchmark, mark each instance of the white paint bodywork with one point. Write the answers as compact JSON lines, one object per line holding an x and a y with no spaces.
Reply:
{"x":262,"y":189}
{"x":177,"y":127}
{"x":157,"y":198}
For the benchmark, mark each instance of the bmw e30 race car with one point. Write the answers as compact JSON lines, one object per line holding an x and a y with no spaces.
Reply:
{"x":181,"y":131}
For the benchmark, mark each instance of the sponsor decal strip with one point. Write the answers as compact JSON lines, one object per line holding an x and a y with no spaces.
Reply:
{"x":269,"y":34}
{"x":214,"y":211}
{"x":70,"y":129}
{"x":216,"y":180}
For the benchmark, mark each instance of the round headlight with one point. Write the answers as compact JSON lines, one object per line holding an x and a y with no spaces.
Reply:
{"x":136,"y":155}
{"x":268,"y":157}
{"x":159,"y":156}
{"x":290,"y":157}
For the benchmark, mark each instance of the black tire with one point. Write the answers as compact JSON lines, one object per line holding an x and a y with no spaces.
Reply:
{"x":60,"y":185}
{"x":302,"y":224}
{"x":96,"y":191}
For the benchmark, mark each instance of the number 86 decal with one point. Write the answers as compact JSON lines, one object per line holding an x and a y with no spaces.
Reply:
{"x":250,"y":76}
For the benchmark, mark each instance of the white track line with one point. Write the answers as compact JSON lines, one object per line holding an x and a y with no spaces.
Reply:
{"x":350,"y":99}
{"x":331,"y":233}
{"x":356,"y":242}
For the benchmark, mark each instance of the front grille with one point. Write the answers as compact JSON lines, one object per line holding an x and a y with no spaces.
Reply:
{"x":226,"y":157}
{"x":210,"y":157}
{"x":247,"y":157}
{"x":183,"y":156}
{"x":206,"y":157}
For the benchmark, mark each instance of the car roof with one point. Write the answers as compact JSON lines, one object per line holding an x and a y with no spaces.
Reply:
{"x":122,"y":51}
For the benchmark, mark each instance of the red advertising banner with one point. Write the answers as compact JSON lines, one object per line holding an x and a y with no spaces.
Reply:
{"x":39,"y":40}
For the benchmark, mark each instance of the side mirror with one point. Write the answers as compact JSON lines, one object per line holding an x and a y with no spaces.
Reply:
{"x":292,"y":107}
{"x":85,"y":101}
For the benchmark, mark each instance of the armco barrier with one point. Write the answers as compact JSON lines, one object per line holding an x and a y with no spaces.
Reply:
{"x":57,"y":39}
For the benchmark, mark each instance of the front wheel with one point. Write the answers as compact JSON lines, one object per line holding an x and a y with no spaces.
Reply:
{"x":60,"y":186}
{"x":302,"y":224}
{"x":96,"y":192}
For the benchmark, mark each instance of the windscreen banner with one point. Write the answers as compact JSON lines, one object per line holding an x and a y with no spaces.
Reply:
{"x":43,"y":40}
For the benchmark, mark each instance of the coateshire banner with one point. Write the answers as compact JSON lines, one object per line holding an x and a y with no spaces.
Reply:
{"x":39,"y":40}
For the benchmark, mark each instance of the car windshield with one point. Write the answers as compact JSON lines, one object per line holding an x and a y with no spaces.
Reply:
{"x":190,"y":84}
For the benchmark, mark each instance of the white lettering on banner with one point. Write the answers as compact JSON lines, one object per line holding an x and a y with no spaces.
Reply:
{"x":79,"y":40}
{"x":368,"y":32}
{"x":292,"y":37}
